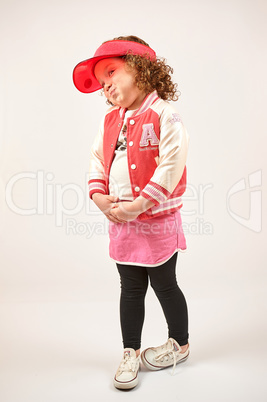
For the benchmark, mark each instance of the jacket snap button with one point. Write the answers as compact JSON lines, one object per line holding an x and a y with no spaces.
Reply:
{"x":137,"y":189}
{"x":131,"y":143}
{"x":133,"y":166}
{"x":132,"y":122}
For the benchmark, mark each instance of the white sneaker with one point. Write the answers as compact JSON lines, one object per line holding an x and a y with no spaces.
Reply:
{"x":126,"y":376}
{"x":164,"y":356}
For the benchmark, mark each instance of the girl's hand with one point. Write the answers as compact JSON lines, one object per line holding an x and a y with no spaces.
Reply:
{"x":124,"y":211}
{"x":105,"y":204}
{"x":129,"y":210}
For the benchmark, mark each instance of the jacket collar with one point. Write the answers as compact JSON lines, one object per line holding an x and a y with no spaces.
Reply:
{"x":147,"y":102}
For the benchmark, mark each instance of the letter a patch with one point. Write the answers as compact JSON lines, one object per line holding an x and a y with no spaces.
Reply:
{"x":148,"y":134}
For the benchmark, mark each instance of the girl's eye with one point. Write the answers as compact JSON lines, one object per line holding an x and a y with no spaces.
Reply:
{"x":111,"y":72}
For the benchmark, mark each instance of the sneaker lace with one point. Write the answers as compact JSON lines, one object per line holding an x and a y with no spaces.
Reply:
{"x":128,"y":363}
{"x":168,"y":352}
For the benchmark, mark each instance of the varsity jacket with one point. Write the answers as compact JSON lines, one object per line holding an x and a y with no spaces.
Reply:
{"x":157,"y":145}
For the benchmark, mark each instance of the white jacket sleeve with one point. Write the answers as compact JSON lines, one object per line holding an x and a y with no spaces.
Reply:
{"x":97,"y":182}
{"x":173,"y":149}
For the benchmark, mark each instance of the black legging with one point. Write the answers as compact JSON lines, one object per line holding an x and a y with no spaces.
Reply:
{"x":134,"y":283}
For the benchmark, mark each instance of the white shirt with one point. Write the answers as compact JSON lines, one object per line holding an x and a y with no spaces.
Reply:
{"x":119,"y":180}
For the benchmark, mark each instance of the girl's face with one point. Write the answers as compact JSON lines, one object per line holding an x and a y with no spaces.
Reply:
{"x":118,"y":83}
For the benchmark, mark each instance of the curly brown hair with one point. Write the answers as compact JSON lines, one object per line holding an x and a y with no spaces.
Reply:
{"x":151,"y":74}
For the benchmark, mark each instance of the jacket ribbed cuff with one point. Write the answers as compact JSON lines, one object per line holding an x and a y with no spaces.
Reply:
{"x":97,"y":186}
{"x":155,"y":193}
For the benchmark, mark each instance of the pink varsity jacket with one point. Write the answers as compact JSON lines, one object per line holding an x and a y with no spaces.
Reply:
{"x":157,"y":145}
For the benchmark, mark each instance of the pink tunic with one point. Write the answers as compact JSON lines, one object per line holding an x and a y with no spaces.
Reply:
{"x":149,"y":242}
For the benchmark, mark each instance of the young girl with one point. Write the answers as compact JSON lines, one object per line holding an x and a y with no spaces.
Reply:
{"x":137,"y":176}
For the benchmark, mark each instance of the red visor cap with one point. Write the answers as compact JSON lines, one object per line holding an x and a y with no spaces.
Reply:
{"x":83,"y":74}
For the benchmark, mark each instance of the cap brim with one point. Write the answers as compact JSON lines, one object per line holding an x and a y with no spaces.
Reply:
{"x":84,"y":77}
{"x":83,"y":74}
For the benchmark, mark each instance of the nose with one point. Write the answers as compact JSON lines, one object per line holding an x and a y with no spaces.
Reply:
{"x":107,"y":86}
